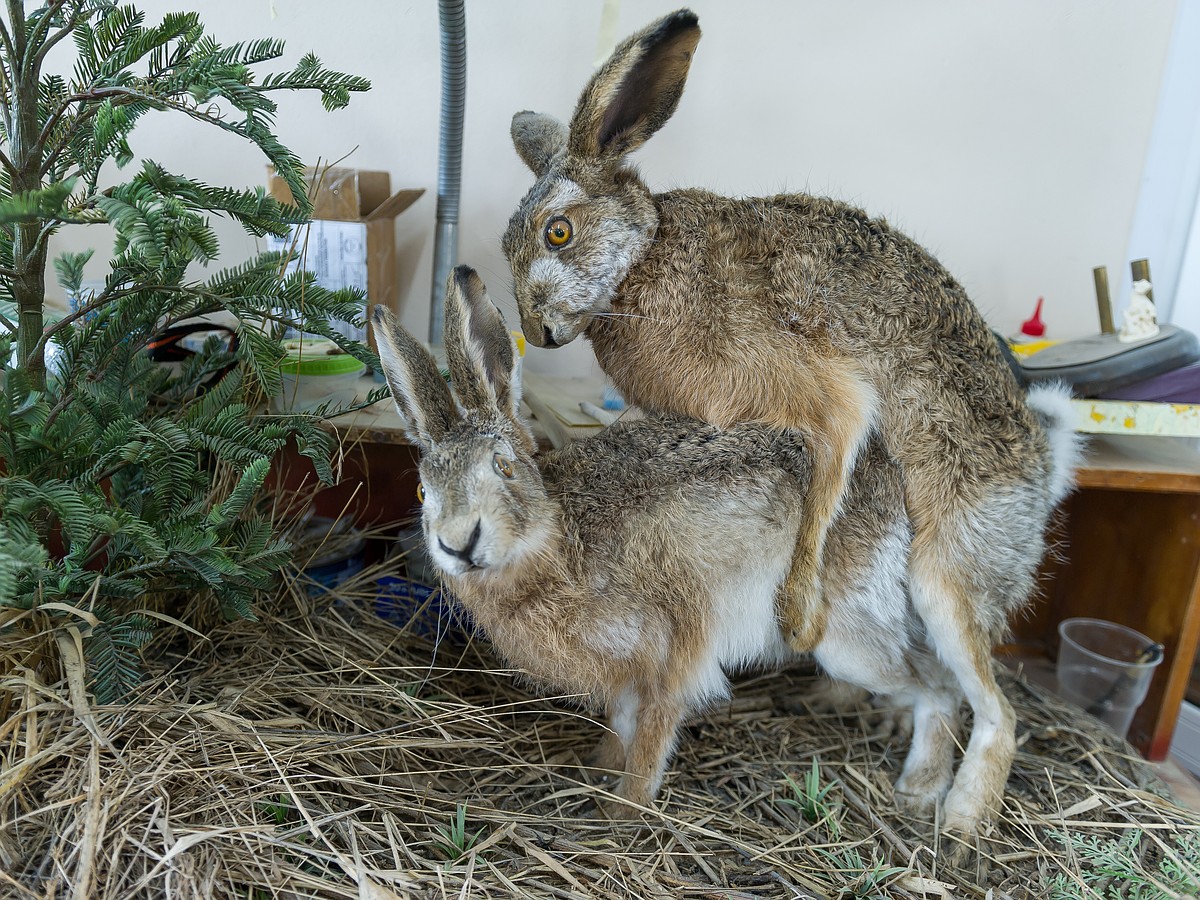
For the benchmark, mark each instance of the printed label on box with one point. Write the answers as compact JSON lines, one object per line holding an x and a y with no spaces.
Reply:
{"x":336,"y":252}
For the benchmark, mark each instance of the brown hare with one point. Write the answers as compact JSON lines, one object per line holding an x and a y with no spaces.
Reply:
{"x":801,"y":313}
{"x":641,"y":565}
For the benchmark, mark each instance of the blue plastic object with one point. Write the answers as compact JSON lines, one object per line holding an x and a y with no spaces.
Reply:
{"x":425,"y":611}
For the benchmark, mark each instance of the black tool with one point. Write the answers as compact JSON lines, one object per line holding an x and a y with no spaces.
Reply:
{"x":1151,"y":653}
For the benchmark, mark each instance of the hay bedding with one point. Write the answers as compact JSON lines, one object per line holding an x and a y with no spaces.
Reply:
{"x":320,"y":753}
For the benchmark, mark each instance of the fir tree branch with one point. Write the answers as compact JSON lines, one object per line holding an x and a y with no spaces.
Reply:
{"x":13,"y":48}
{"x":82,"y":115}
{"x":216,"y":303}
{"x":102,"y":299}
{"x":98,"y":545}
{"x":51,"y":226}
{"x":52,"y":121}
{"x":7,"y":42}
{"x":40,"y":30}
{"x":72,"y":23}
{"x":86,"y":113}
{"x":4,"y":320}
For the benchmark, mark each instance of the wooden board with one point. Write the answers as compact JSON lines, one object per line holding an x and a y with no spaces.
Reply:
{"x":1140,"y":463}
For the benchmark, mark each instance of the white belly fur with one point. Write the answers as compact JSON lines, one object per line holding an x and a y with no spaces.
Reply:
{"x":745,"y":631}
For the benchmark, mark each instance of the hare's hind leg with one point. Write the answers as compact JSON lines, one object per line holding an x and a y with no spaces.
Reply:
{"x":950,"y":604}
{"x":653,"y":719}
{"x":929,"y":767}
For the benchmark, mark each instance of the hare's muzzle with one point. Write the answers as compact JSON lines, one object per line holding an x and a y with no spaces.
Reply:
{"x":464,"y":552}
{"x":538,"y":331}
{"x":543,"y":331}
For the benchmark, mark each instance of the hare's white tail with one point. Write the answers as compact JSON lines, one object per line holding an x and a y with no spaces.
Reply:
{"x":1052,"y":403}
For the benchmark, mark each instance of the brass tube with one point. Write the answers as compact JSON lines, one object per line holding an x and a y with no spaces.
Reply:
{"x":1141,"y":272}
{"x":1103,"y":300}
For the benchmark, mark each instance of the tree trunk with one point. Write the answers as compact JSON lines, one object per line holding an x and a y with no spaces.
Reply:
{"x":29,"y":246}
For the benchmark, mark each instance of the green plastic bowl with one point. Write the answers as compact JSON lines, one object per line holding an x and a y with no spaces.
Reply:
{"x":317,"y":373}
{"x":309,"y":356}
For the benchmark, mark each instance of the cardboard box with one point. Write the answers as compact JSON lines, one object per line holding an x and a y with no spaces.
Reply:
{"x":352,"y":239}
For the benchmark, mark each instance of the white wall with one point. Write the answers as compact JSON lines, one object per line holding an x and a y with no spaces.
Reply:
{"x":1008,"y":138}
{"x":1166,"y":223}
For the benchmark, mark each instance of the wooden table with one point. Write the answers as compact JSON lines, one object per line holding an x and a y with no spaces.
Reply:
{"x":1130,"y":553}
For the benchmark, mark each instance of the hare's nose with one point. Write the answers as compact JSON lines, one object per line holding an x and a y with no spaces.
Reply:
{"x":549,"y":335}
{"x":465,"y":552}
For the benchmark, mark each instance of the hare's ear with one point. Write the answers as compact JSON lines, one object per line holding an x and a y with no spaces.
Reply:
{"x":538,"y":139}
{"x":637,"y":90}
{"x":420,"y":392}
{"x":479,"y":347}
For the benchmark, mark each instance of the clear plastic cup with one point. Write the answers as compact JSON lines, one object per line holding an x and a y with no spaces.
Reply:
{"x":1105,"y":668}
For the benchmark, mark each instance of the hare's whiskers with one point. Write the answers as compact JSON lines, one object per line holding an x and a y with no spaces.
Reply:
{"x":616,"y":315}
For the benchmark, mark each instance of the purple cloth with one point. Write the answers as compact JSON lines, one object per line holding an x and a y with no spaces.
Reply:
{"x":1177,"y":386}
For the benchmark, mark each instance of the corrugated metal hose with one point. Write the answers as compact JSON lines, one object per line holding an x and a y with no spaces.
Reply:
{"x":453,"y":21}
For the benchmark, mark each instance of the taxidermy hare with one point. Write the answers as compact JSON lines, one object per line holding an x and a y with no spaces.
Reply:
{"x":638,"y":566}
{"x":801,"y":313}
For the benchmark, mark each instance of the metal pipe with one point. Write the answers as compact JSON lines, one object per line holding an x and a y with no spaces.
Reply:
{"x":453,"y":22}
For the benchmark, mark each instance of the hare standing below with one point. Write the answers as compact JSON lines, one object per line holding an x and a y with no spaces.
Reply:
{"x":800,"y":313}
{"x":639,"y":566}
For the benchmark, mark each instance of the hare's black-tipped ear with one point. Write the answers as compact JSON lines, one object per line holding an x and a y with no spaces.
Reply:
{"x":636,"y":90}
{"x":420,"y":392}
{"x":479,"y":347}
{"x":538,"y":139}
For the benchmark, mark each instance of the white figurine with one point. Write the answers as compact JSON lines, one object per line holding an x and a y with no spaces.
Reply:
{"x":1141,"y":321}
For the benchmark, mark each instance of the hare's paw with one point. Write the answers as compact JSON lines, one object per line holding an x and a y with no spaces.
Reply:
{"x":608,"y":758}
{"x":626,"y":800}
{"x":895,"y":721}
{"x":634,"y":791}
{"x":979,"y":786}
{"x":801,"y":609}
{"x":918,"y":793}
{"x":964,"y":811}
{"x":616,"y":810}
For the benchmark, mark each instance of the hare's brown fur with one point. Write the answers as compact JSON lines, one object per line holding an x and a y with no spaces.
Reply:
{"x":805,"y":313}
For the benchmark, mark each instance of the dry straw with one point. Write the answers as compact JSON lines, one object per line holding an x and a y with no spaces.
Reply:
{"x":322,"y":752}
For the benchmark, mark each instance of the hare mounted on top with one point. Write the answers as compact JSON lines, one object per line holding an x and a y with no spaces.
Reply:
{"x":639,"y":566}
{"x":800,"y":313}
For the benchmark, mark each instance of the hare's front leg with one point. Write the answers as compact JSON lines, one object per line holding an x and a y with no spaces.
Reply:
{"x":656,"y":720}
{"x":837,"y":429}
{"x":609,"y":755}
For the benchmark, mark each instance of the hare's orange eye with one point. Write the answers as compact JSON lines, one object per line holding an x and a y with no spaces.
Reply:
{"x":503,"y":465}
{"x":420,"y":492}
{"x":558,"y":233}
